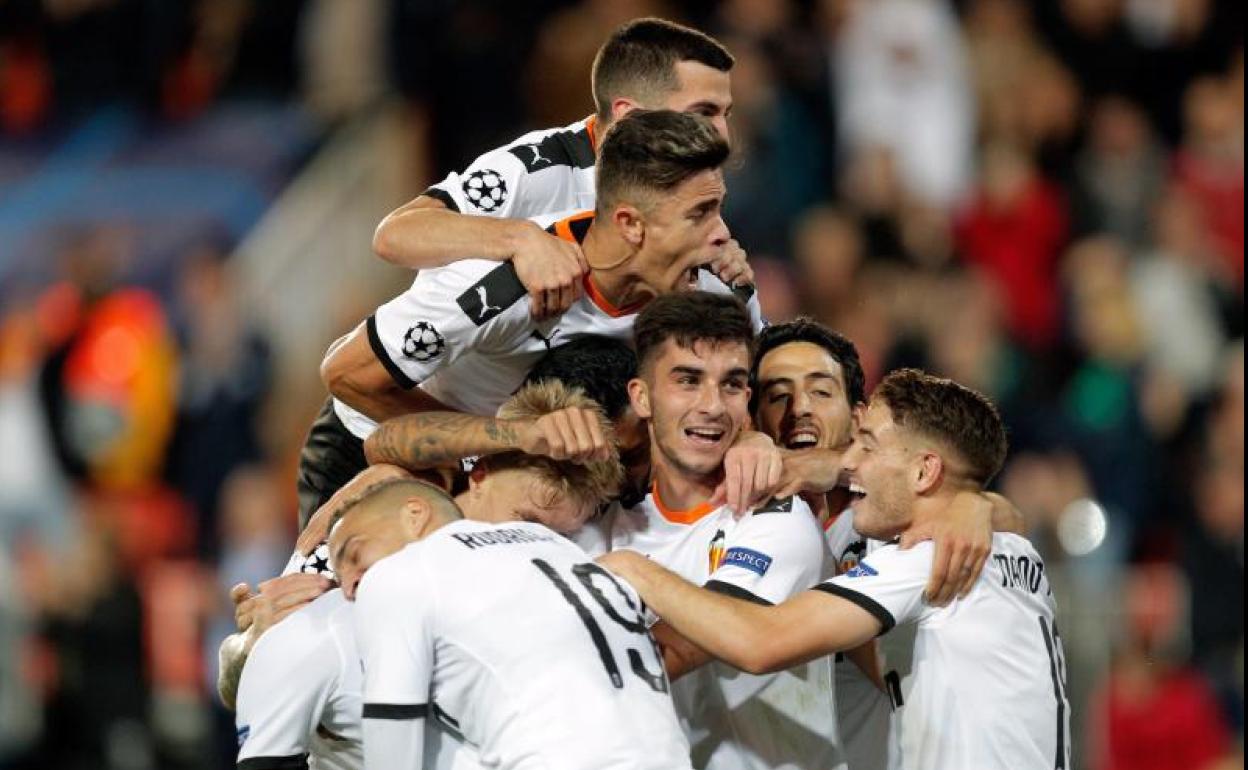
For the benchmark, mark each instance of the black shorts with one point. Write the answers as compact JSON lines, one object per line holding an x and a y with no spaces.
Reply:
{"x":331,"y":456}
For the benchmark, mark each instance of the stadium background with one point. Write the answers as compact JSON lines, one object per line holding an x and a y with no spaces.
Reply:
{"x":1041,"y":199}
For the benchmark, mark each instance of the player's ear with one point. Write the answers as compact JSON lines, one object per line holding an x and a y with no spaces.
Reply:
{"x":621,"y":106}
{"x":930,"y":468}
{"x":629,"y":224}
{"x":639,"y":397}
{"x":416,"y":515}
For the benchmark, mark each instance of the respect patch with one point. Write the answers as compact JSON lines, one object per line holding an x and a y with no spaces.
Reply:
{"x":755,"y":562}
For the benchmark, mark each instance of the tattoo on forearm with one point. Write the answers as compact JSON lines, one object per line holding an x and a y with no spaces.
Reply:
{"x":435,"y":439}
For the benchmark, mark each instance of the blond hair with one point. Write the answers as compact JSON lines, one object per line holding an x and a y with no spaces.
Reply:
{"x":593,"y":482}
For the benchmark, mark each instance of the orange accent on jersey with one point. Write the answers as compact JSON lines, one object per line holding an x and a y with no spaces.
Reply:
{"x":563,"y":228}
{"x":591,"y":126}
{"x":690,"y":516}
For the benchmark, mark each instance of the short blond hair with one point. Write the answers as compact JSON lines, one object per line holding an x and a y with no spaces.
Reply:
{"x":593,"y":483}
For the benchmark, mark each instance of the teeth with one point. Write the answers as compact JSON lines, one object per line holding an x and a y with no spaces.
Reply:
{"x":709,"y":435}
{"x":804,"y":438}
{"x":857,"y":490}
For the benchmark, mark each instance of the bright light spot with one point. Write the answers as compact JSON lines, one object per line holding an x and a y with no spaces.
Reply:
{"x":1082,"y":527}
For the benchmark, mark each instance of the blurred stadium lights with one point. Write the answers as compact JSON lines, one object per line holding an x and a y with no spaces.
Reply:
{"x":1082,"y":527}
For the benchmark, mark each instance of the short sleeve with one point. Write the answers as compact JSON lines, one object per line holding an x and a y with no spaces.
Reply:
{"x":889,"y":584}
{"x":772,"y":554}
{"x":447,"y":312}
{"x":393,"y":618}
{"x":285,"y":686}
{"x":522,"y":180}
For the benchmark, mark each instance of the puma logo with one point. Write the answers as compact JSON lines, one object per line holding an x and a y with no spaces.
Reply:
{"x":537,"y":154}
{"x":486,"y":307}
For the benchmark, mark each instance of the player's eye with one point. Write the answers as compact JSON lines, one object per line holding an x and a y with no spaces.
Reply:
{"x":822,"y":393}
{"x":776,"y":398}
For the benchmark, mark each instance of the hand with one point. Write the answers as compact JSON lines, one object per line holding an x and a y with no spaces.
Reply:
{"x":963,"y":537}
{"x":277,"y":598}
{"x":550,"y":268}
{"x":731,"y":265}
{"x":752,"y":469}
{"x":567,"y":434}
{"x":317,"y":529}
{"x":808,"y":470}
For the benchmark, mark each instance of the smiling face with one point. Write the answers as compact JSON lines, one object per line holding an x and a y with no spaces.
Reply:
{"x":802,"y":401}
{"x":680,"y":231}
{"x":883,"y":465}
{"x":697,"y":401}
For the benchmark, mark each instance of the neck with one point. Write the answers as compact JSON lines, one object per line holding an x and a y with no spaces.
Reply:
{"x":610,"y":261}
{"x":928,"y":508}
{"x":680,"y":490}
{"x":477,"y":508}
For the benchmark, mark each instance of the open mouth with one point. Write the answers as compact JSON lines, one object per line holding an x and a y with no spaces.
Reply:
{"x":856,"y":493}
{"x":802,"y":439}
{"x":705,"y":436}
{"x":691,"y":279}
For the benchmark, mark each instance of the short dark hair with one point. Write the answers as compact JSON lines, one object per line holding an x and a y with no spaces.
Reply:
{"x":689,"y":318}
{"x":640,"y":58}
{"x":598,"y":365}
{"x":412,"y":487}
{"x":803,"y":329}
{"x":652,"y":151}
{"x":951,"y":413}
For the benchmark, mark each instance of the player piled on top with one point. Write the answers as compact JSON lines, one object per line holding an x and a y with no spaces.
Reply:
{"x":646,"y":63}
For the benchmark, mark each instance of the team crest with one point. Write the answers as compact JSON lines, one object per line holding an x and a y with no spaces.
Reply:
{"x":486,"y":190}
{"x":715,"y":553}
{"x":853,"y":554}
{"x":423,"y":342}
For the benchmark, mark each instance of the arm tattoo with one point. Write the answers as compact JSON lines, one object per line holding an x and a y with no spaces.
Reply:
{"x":439,"y":439}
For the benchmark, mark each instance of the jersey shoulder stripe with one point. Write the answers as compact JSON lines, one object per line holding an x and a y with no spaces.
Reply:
{"x":498,"y":290}
{"x":862,"y":600}
{"x":735,"y":591}
{"x":379,"y":350}
{"x":290,"y":762}
{"x":399,"y":711}
{"x":574,"y":148}
{"x":776,"y":505}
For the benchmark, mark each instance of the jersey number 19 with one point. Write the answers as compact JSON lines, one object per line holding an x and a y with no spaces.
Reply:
{"x":591,"y":576}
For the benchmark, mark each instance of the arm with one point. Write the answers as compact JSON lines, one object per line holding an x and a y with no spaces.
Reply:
{"x":392,"y":626}
{"x":749,"y":636}
{"x":282,"y":695}
{"x":354,"y":374}
{"x":680,"y":656}
{"x":442,"y":439}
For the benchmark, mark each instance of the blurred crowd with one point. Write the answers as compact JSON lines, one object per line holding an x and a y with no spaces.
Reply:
{"x":1042,"y":200}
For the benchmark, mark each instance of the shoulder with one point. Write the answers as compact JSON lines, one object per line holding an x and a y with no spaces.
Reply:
{"x":785,"y":514}
{"x":916,"y":560}
{"x":482,"y":289}
{"x":569,"y":147}
{"x":290,"y":645}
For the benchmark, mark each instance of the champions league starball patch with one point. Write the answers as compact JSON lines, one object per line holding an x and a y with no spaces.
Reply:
{"x":485,"y":190}
{"x":317,"y":563}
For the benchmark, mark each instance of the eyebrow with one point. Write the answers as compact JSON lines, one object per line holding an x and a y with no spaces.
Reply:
{"x":868,"y":434}
{"x":789,"y":380}
{"x":688,"y":370}
{"x":738,"y":372}
{"x":336,"y":556}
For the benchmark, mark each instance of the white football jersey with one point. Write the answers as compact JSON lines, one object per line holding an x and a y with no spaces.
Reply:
{"x":864,"y":713}
{"x":538,"y":173}
{"x":987,"y":688}
{"x":464,"y":333}
{"x":513,"y":636}
{"x":299,"y":696}
{"x":734,"y":720}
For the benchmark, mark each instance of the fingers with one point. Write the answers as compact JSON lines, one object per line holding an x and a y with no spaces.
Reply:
{"x":719,"y":496}
{"x":244,"y":614}
{"x":601,"y":447}
{"x":574,"y":434}
{"x":936,"y":587}
{"x":975,"y":566}
{"x":732,"y":481}
{"x":239,"y":592}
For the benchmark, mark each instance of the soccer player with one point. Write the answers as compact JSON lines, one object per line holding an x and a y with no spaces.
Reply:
{"x":482,"y":211}
{"x":300,"y":691}
{"x":509,"y":632}
{"x":989,"y":690}
{"x":463,"y":338}
{"x":809,"y":392}
{"x":692,"y":388}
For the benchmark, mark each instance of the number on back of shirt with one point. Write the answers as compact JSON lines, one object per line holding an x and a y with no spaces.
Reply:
{"x":607,"y":596}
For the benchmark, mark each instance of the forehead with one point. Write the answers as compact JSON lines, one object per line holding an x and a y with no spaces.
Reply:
{"x":704,"y":185}
{"x":878,"y":419}
{"x":696,"y":82}
{"x":714,"y":357}
{"x":798,"y":360}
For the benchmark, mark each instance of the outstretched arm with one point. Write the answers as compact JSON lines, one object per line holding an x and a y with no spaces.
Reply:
{"x":751,"y":637}
{"x":354,"y":374}
{"x":442,"y":439}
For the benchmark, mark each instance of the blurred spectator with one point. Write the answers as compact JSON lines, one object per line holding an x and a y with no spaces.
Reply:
{"x":1119,"y":175}
{"x":1153,"y":712}
{"x":1210,"y":167}
{"x":778,"y":170}
{"x":225,"y":377}
{"x":1176,"y":299}
{"x":902,"y":83}
{"x":1014,"y":229}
